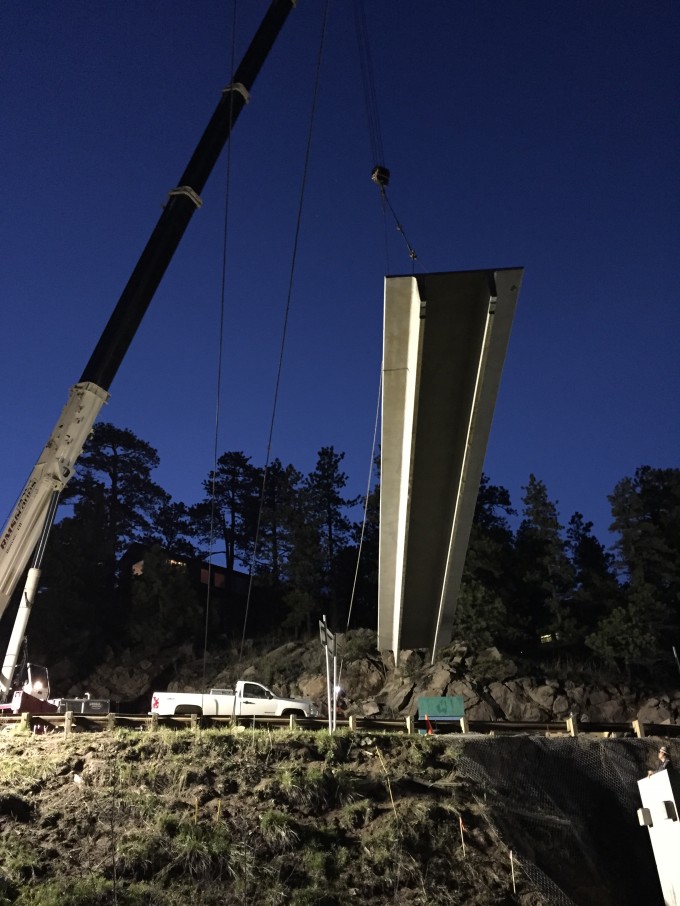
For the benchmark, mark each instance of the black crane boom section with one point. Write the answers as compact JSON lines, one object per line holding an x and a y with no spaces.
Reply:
{"x":154,"y":260}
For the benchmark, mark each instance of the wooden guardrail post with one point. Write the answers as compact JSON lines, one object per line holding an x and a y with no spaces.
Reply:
{"x":25,"y":721}
{"x":464,"y":726}
{"x":110,"y":721}
{"x":153,"y":724}
{"x":68,"y":722}
{"x":292,"y":722}
{"x":409,"y":723}
{"x":639,"y":729}
{"x":353,"y":722}
{"x":572,"y":725}
{"x":194,"y":722}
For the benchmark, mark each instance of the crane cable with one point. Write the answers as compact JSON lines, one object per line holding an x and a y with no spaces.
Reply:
{"x":388,"y":207}
{"x":223,"y":284}
{"x":380,"y":174}
{"x":298,"y":224}
{"x":368,"y":82}
{"x":366,"y":499}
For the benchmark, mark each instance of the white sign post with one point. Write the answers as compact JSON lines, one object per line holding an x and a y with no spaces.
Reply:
{"x":328,"y":642}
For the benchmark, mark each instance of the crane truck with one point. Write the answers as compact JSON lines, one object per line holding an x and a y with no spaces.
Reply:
{"x":27,"y":530}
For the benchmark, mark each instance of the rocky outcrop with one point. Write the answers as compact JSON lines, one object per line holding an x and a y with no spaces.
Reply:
{"x":375,"y":684}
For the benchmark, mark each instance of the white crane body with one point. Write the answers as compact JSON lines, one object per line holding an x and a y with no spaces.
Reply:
{"x":26,"y":523}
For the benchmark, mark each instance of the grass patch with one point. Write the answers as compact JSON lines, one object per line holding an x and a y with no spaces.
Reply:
{"x":279,"y":830}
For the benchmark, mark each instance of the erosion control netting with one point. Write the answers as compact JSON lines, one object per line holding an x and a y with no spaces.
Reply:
{"x":567,"y":808}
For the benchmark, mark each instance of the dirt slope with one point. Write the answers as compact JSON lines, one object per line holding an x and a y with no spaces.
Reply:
{"x":273,"y":817}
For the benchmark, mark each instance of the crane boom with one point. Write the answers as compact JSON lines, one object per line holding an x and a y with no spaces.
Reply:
{"x":34,"y":511}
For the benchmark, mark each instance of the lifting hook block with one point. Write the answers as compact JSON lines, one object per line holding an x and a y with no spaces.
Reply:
{"x":381,"y":176}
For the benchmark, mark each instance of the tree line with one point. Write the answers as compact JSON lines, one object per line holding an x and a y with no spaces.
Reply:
{"x":537,"y":587}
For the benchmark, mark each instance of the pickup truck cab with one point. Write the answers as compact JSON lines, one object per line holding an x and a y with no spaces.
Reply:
{"x":246,"y":699}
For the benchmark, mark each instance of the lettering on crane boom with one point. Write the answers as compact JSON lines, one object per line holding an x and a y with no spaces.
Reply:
{"x":21,"y":506}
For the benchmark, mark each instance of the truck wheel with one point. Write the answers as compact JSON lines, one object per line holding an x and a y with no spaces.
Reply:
{"x":185,"y":710}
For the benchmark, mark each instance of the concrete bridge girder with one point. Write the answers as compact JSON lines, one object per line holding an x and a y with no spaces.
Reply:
{"x":444,"y":342}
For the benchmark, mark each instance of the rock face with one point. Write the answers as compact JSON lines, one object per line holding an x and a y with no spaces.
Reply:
{"x":374,"y":685}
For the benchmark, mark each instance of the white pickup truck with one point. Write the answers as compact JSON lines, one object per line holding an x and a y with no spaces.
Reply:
{"x":247,"y":699}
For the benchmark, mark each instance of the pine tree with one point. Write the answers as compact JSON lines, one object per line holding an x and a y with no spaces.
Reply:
{"x":482,"y":615}
{"x":646,"y":518}
{"x":173,"y":527}
{"x":628,"y":637}
{"x":304,"y":598}
{"x":596,"y":589}
{"x":646,"y":511}
{"x":546,"y":579}
{"x":230,"y":516}
{"x":113,"y":481}
{"x":281,"y":487}
{"x":327,"y":510}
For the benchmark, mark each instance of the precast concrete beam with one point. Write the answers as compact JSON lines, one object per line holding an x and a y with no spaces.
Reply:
{"x":444,"y":342}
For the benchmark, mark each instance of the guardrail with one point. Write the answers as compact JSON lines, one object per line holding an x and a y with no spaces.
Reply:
{"x":70,"y":722}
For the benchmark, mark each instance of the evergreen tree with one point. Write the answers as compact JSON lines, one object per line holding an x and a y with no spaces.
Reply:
{"x":114,"y":503}
{"x":596,"y":589}
{"x":640,"y":632}
{"x":173,"y":527}
{"x":646,"y":511}
{"x":324,"y":489}
{"x":281,"y":487}
{"x":327,"y":510}
{"x":484,"y":613}
{"x":481,"y":616}
{"x":490,"y":549}
{"x":113,"y":481}
{"x":232,"y":515}
{"x":545,"y":573}
{"x":628,"y":637}
{"x":304,"y":598}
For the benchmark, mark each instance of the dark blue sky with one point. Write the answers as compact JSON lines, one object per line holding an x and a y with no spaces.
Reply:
{"x":530,"y":133}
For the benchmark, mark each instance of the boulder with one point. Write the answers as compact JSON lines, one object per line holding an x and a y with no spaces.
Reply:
{"x":410,"y":662}
{"x":653,"y":712}
{"x":362,"y":678}
{"x":438,"y":683}
{"x":544,"y":696}
{"x":561,"y":707}
{"x":313,"y":687}
{"x":396,"y":696}
{"x":597,"y":697}
{"x":461,"y":687}
{"x":480,"y":710}
{"x":514,"y":703}
{"x":612,"y":711}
